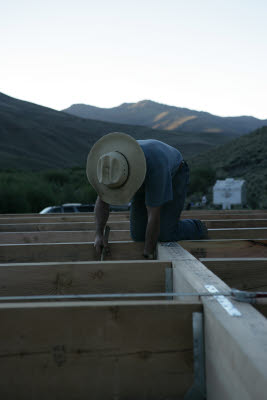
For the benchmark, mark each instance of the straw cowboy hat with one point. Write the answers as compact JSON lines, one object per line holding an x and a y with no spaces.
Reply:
{"x":116,"y":168}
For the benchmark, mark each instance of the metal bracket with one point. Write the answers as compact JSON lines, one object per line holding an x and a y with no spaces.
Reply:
{"x":198,"y":389}
{"x":169,"y":281}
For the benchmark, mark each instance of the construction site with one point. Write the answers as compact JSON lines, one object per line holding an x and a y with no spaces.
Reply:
{"x":190,"y":324}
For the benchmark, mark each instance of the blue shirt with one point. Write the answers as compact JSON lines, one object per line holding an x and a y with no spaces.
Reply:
{"x":162,"y":162}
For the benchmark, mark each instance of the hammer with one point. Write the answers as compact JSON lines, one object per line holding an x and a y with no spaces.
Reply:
{"x":106,"y":234}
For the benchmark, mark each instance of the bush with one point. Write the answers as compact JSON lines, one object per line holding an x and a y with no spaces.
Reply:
{"x":23,"y":192}
{"x":201,"y":179}
{"x":57,"y":177}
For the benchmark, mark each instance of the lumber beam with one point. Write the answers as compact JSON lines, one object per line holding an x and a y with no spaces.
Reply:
{"x":97,"y":350}
{"x":226,"y":248}
{"x":235,"y":346}
{"x":236,"y":223}
{"x":60,"y":226}
{"x":210,"y":215}
{"x":120,"y":225}
{"x":240,"y":273}
{"x":20,"y":219}
{"x":238,"y":233}
{"x":59,"y":236}
{"x":60,"y":252}
{"x":22,"y":279}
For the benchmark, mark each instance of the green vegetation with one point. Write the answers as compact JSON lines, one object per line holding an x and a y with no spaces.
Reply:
{"x":241,"y":158}
{"x":23,"y":191}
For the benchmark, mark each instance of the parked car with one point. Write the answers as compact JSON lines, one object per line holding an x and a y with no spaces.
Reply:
{"x":69,"y":208}
{"x":78,"y":207}
{"x":124,"y":207}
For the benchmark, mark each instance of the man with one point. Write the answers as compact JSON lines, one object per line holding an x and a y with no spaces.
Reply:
{"x":154,"y":176}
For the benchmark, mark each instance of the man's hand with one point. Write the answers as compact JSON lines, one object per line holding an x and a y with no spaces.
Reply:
{"x":100,"y":244}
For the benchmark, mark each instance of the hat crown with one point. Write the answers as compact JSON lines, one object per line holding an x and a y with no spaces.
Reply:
{"x":112,"y":169}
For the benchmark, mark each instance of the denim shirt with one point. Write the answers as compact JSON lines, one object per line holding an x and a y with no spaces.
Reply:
{"x":162,"y":163}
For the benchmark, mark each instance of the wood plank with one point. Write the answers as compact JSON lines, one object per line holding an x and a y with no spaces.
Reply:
{"x":235,"y":347}
{"x":38,"y":218}
{"x":240,"y":273}
{"x":60,"y":252}
{"x":83,"y":278}
{"x":102,"y":350}
{"x":59,"y":236}
{"x":236,"y":223}
{"x":215,"y":216}
{"x":224,"y":212}
{"x":238,"y":233}
{"x":120,"y":225}
{"x":226,"y":248}
{"x":61,"y":226}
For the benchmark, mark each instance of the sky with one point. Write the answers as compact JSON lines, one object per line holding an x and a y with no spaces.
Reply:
{"x":206,"y":55}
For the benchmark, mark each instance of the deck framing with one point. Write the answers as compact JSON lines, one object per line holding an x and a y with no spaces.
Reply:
{"x":105,"y":349}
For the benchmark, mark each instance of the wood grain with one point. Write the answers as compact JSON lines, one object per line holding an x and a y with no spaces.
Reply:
{"x":83,"y":278}
{"x":240,"y":273}
{"x":102,"y":350}
{"x":59,"y":252}
{"x":225,"y":248}
{"x":59,"y":236}
{"x":235,"y":347}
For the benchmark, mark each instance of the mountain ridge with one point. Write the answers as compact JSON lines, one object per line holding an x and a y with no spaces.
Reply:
{"x":37,"y":137}
{"x":161,"y":116}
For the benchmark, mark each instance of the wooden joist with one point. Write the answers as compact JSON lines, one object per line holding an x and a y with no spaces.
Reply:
{"x":116,"y":235}
{"x":238,"y":233}
{"x":235,"y":346}
{"x":240,"y":273}
{"x":60,"y":226}
{"x":96,"y":350}
{"x":121,"y":216}
{"x":220,"y":216}
{"x":83,"y":278}
{"x":121,"y":225}
{"x":226,"y":248}
{"x":60,"y":252}
{"x":39,"y":218}
{"x":59,"y":236}
{"x":236,"y":223}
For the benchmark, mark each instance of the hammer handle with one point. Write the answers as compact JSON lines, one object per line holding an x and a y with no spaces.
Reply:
{"x":106,"y":234}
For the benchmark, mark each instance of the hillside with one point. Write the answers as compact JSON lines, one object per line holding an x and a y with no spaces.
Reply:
{"x":37,"y":137}
{"x":246,"y":158}
{"x":161,"y":116}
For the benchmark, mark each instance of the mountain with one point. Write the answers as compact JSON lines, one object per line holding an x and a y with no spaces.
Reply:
{"x":36,"y":137}
{"x":244,"y":158}
{"x":161,"y":116}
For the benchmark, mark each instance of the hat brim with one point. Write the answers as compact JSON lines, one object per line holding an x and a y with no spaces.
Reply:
{"x":134,"y":154}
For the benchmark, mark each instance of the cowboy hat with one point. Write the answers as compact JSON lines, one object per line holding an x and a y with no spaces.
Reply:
{"x":116,"y":168}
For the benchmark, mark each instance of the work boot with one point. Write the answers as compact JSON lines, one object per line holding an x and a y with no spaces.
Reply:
{"x":202,"y":227}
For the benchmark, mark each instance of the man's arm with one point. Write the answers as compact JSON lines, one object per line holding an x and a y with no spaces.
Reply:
{"x":101,"y":217}
{"x":152,"y":231}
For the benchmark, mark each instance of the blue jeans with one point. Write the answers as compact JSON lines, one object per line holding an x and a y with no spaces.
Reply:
{"x":172,"y":228}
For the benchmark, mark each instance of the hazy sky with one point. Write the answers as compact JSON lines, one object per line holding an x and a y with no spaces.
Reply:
{"x":208,"y":55}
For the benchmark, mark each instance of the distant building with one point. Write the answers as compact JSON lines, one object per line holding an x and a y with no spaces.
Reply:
{"x":229,"y":192}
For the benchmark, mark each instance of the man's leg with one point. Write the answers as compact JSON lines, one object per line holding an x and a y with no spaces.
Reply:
{"x":172,"y":228}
